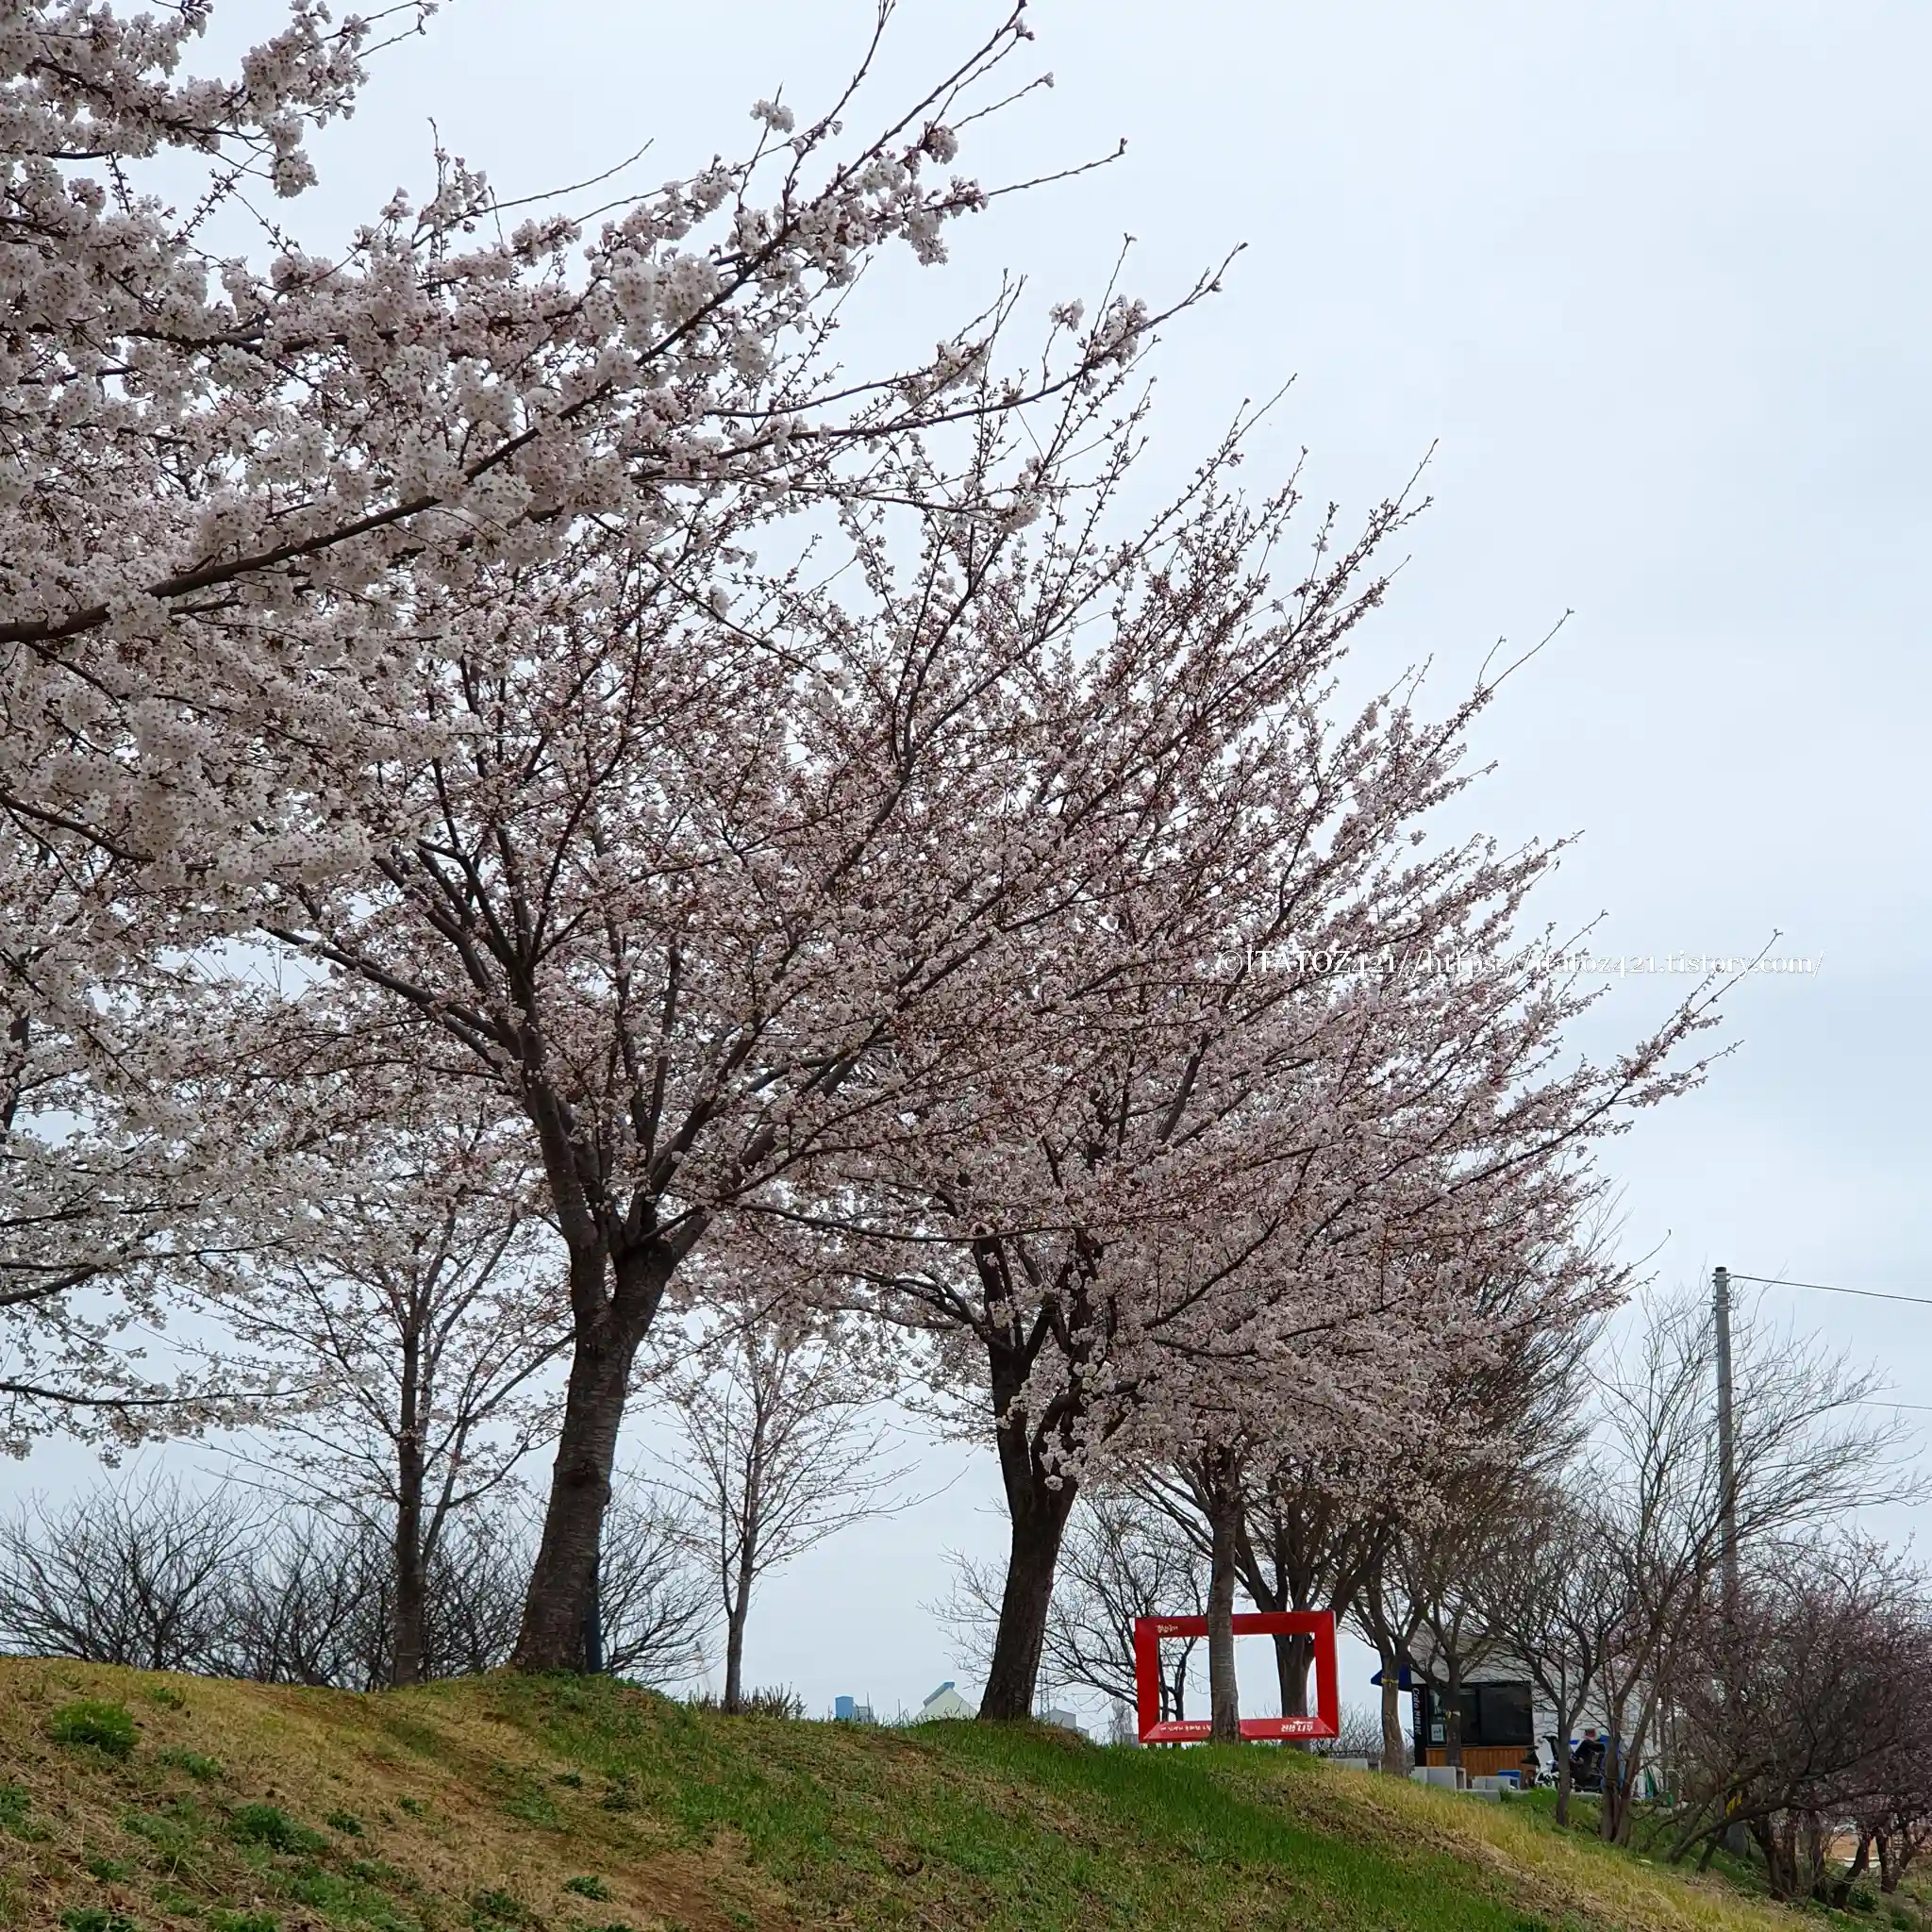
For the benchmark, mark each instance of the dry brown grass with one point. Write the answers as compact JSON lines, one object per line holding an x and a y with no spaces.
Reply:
{"x":447,"y":1797}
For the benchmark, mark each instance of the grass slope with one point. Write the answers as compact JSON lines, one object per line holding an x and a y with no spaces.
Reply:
{"x":516,"y":1806}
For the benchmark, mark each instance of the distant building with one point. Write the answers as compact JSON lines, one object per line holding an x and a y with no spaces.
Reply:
{"x":1506,"y":1726}
{"x":945,"y":1702}
{"x":848,"y":1711}
{"x":1064,"y":1719}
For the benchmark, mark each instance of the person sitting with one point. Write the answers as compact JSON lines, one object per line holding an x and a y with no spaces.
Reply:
{"x":1587,"y":1762}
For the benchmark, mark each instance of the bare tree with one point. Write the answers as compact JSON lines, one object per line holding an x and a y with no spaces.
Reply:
{"x":1808,"y":1448}
{"x":1897,"y":1824}
{"x":1553,"y":1595}
{"x":1360,"y":1736}
{"x":408,"y":1307}
{"x":314,"y":1602}
{"x":1389,"y":1618}
{"x":153,"y":1574}
{"x":1122,"y":1558}
{"x":133,"y":1573}
{"x":656,"y":1604}
{"x":310,"y":1602}
{"x":786,"y":1448}
{"x":1449,"y":1562}
{"x":1310,"y":1527}
{"x":1121,"y":1561}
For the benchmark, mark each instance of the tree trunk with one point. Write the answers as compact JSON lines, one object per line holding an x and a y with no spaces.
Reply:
{"x":1777,"y":1838}
{"x":1562,"y":1750}
{"x":737,"y":1608}
{"x":408,"y":1645}
{"x":1039,"y":1513}
{"x":1292,"y":1655}
{"x":409,"y":1641}
{"x":734,"y":1659}
{"x":1174,"y":1689}
{"x":1391,"y":1715}
{"x":1839,"y":1890}
{"x":1452,"y":1713}
{"x":557,"y":1605}
{"x":1224,"y":1689}
{"x":1621,"y":1767}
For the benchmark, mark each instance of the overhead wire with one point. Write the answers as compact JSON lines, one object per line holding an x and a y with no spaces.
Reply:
{"x":1869,"y":1294}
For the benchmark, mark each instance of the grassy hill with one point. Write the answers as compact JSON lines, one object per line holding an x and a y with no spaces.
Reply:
{"x":132,"y":1802}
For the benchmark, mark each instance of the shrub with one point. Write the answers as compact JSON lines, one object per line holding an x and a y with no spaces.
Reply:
{"x":773,"y":1700}
{"x":587,"y":1886}
{"x":344,"y":1821}
{"x":264,"y":1824}
{"x":106,"y":1727}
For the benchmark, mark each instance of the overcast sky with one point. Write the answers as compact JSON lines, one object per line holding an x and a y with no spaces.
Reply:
{"x":1651,"y":280}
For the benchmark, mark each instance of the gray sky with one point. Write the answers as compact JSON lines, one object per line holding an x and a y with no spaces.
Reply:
{"x":1653,"y":279}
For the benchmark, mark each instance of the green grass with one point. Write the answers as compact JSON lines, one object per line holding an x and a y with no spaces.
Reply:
{"x":520,"y":1804}
{"x":93,"y":1722}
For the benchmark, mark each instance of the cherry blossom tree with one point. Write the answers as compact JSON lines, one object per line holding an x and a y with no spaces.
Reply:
{"x":407,"y":1306}
{"x":796,"y":800}
{"x":242,"y":494}
{"x":1223,"y":1164}
{"x":784,"y":1446}
{"x":1551,"y":1593}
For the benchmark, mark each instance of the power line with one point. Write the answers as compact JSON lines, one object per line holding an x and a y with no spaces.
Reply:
{"x":1869,"y":1294}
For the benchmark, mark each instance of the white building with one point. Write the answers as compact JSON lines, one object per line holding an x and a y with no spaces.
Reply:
{"x":945,"y":1701}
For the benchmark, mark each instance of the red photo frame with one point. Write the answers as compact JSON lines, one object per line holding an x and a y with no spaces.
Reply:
{"x":1325,"y":1719}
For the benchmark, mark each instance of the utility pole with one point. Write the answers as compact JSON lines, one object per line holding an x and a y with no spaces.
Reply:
{"x":1726,"y":1502}
{"x":1727,"y":1442}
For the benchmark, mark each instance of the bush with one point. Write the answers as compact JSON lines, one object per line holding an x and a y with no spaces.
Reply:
{"x":106,"y":1727}
{"x":344,"y":1821}
{"x":264,"y":1824}
{"x":587,"y":1886}
{"x":772,"y":1700}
